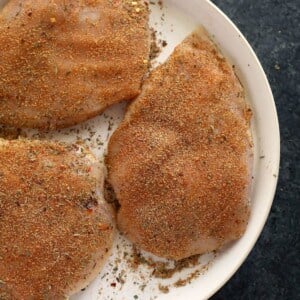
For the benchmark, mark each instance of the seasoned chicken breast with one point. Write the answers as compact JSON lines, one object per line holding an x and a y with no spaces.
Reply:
{"x":56,"y":229}
{"x":180,"y":163}
{"x":64,"y":61}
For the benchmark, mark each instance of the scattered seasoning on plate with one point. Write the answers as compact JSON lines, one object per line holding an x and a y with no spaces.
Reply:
{"x":163,"y":288}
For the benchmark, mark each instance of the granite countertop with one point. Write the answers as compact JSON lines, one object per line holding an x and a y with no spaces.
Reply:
{"x":272,"y":270}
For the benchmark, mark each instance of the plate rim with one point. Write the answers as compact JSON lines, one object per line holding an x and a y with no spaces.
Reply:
{"x":277,"y":151}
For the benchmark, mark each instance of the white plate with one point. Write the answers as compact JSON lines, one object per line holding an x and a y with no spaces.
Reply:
{"x":177,"y":19}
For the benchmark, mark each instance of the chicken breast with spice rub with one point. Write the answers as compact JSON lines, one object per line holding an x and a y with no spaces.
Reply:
{"x":180,"y":163}
{"x":65,"y":61}
{"x":56,"y":229}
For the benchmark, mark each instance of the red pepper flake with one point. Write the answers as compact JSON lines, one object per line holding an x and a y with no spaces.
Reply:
{"x":113,"y":284}
{"x":103,"y":226}
{"x":89,"y":211}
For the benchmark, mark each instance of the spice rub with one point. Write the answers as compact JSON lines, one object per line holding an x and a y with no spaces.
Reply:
{"x":180,"y":163}
{"x":56,"y":229}
{"x":62,"y":62}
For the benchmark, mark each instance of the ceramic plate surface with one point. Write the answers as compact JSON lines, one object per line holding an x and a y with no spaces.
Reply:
{"x":173,"y":22}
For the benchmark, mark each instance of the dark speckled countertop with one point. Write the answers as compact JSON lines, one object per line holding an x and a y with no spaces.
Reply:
{"x":272,"y":270}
